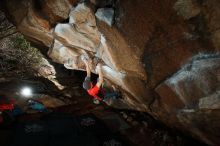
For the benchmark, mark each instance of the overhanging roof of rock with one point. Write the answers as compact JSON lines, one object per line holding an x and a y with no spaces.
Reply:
{"x":142,"y":52}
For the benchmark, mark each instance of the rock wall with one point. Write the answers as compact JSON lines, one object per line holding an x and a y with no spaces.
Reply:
{"x":162,"y":55}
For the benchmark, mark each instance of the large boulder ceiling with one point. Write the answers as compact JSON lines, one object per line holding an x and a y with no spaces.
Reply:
{"x":162,"y":55}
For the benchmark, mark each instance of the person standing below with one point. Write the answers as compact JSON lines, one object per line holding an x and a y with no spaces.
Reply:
{"x":36,"y":105}
{"x":93,"y":90}
{"x":6,"y":109}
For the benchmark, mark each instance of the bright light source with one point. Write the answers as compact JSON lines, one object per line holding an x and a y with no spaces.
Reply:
{"x":26,"y":92}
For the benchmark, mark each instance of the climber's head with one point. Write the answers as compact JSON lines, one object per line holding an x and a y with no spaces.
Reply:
{"x":87,"y":84}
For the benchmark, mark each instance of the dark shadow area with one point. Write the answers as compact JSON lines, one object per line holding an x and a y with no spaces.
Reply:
{"x":161,"y":134}
{"x":69,"y":77}
{"x":60,"y":129}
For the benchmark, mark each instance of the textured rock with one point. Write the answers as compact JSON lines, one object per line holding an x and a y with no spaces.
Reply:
{"x":36,"y":28}
{"x":160,"y":54}
{"x":106,"y":15}
{"x":187,"y":8}
{"x":56,"y":10}
{"x":46,"y":70}
{"x":212,"y":12}
{"x":192,"y":91}
{"x":51,"y":102}
{"x":36,"y":18}
{"x":72,"y":38}
{"x":210,"y":102}
{"x":83,"y":20}
{"x":197,"y":79}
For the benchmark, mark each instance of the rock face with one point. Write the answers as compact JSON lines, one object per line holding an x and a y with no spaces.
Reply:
{"x":162,"y":55}
{"x":191,"y":96}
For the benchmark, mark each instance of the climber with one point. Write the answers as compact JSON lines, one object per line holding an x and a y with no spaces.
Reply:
{"x":87,"y":84}
{"x":95,"y":91}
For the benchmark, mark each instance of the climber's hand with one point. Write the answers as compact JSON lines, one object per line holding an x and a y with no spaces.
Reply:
{"x":98,"y":67}
{"x":84,"y":58}
{"x":87,"y":60}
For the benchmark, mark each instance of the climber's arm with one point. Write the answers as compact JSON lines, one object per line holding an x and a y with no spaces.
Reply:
{"x":86,"y":62}
{"x":88,"y":71}
{"x":101,"y":79}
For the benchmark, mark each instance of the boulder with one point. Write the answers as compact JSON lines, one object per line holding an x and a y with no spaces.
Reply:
{"x":194,"y":90}
{"x":162,"y":55}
